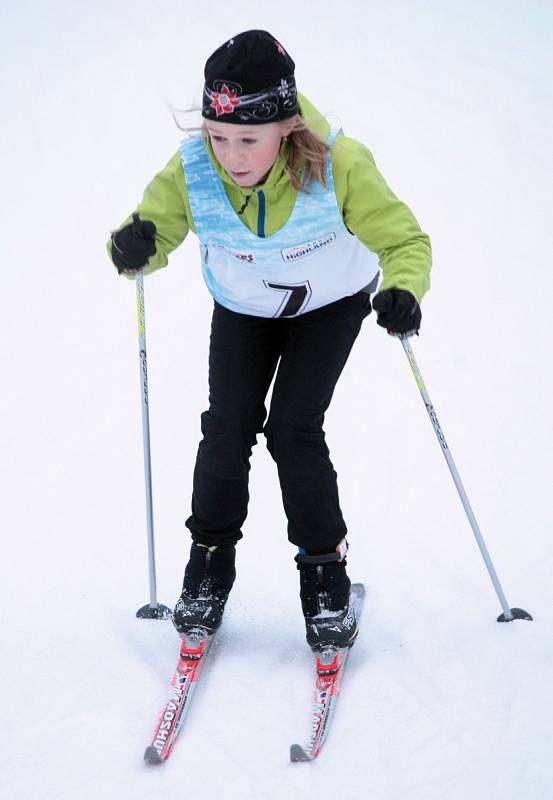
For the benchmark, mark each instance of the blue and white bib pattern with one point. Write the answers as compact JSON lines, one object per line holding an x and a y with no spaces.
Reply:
{"x":313,"y":260}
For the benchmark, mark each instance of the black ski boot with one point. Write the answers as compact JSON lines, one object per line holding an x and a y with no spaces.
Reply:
{"x":208,"y":579}
{"x":325,"y":599}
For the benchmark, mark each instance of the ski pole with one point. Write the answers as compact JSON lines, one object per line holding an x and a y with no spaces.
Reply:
{"x":508,"y":613}
{"x":153,"y":610}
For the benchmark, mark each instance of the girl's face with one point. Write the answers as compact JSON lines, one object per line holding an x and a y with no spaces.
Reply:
{"x":247,"y":152}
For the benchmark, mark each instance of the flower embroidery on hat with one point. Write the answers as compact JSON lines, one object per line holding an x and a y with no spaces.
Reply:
{"x":225,"y":101}
{"x":284,"y":88}
{"x":280,"y":48}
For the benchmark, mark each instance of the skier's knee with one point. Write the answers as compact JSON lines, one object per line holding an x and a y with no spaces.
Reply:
{"x":238,"y":425}
{"x":284,"y":432}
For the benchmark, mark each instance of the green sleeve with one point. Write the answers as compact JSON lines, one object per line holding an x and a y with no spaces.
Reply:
{"x":380,"y":220}
{"x":165,"y":203}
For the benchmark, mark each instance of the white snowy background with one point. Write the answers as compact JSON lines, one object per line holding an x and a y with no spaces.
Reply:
{"x":454,"y":100}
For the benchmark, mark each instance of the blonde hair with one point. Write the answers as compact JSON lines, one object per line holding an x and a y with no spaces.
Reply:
{"x":304,"y":157}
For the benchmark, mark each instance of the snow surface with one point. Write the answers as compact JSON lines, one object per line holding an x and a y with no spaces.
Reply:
{"x":440,"y":701}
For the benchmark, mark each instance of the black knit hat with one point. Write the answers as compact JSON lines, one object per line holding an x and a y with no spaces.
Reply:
{"x":250,"y":80}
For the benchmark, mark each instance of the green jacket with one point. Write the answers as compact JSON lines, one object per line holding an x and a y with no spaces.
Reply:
{"x":369,"y":207}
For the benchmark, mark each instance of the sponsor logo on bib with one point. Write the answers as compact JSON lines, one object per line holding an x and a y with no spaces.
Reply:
{"x":305,"y":249}
{"x":249,"y":257}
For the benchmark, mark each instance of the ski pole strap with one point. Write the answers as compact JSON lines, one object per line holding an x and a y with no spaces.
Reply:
{"x":337,"y":555}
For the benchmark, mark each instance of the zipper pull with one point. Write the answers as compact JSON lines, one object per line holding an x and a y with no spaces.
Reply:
{"x":243,"y":208}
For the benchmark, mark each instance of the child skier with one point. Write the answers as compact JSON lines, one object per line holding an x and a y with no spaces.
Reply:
{"x":293,"y":221}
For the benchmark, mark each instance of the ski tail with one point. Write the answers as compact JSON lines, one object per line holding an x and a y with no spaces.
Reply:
{"x":297,"y":753}
{"x":329,"y":670}
{"x":192,"y":654}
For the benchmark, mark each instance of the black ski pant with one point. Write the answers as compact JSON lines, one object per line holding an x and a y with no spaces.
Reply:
{"x":308,"y":353}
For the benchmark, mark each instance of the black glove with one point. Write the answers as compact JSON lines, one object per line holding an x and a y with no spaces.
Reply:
{"x":132,"y":246}
{"x":398,"y":311}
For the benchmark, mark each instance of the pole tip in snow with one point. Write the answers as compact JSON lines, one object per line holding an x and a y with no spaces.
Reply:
{"x":516,"y":613}
{"x":154,"y":612}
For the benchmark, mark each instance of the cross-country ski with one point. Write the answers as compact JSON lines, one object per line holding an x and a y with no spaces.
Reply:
{"x":193,"y":652}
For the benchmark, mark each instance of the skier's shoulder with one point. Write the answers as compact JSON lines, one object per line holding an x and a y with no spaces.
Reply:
{"x":350,"y":155}
{"x":168,"y":182}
